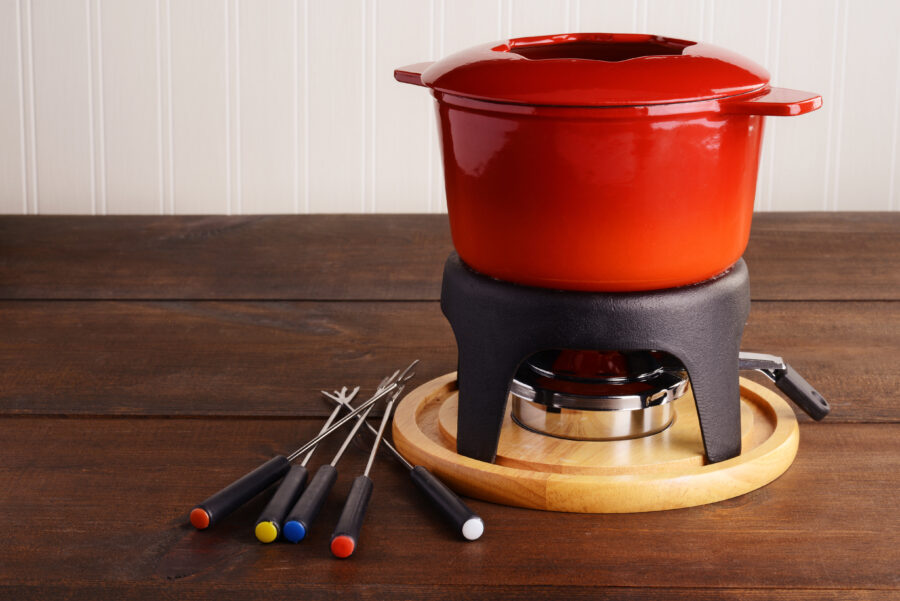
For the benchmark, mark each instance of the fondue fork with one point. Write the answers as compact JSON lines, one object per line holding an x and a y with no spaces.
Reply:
{"x":222,"y":503}
{"x":307,"y":507}
{"x":464,"y":521}
{"x":346,"y":533}
{"x":269,"y":523}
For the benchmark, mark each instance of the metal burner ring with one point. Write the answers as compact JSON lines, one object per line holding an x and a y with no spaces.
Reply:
{"x":596,"y":410}
{"x":573,"y":424}
{"x":664,"y":387}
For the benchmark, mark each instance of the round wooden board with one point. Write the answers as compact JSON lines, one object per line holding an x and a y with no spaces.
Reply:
{"x":663,"y":471}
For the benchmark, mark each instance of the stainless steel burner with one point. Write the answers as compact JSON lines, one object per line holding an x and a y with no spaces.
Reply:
{"x":597,"y":395}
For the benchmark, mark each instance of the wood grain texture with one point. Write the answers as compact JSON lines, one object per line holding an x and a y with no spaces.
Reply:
{"x":792,"y":256}
{"x":105,"y":501}
{"x":236,"y":323}
{"x":117,"y":591}
{"x":285,"y":257}
{"x":653,"y":473}
{"x":272,"y":358}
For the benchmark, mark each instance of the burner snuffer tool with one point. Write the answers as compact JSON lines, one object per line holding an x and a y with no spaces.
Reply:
{"x":788,"y":381}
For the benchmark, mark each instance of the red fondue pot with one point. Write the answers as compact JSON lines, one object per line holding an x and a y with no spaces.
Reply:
{"x":607,"y":162}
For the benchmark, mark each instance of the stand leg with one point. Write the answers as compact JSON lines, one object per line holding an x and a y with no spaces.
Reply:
{"x":717,"y":393}
{"x":484,"y":380}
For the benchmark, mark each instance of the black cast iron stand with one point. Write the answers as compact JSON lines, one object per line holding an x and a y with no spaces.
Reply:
{"x":500,"y":324}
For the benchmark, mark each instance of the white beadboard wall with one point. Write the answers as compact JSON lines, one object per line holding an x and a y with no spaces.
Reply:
{"x":287,"y":106}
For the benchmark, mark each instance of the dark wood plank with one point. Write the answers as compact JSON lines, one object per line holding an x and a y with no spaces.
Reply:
{"x":825,"y":256}
{"x":189,"y":590}
{"x":843,"y":349}
{"x":208,"y":358}
{"x":275,"y":257}
{"x":272,"y":358}
{"x":96,"y":501}
{"x":817,"y":256}
{"x":96,"y":506}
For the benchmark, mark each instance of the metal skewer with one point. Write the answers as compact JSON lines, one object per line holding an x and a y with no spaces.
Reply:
{"x":465,"y":521}
{"x":309,"y":504}
{"x":359,"y":409}
{"x":346,"y":534}
{"x":380,"y":434}
{"x":347,"y":398}
{"x":269,"y":523}
{"x":222,"y":503}
{"x":390,"y":447}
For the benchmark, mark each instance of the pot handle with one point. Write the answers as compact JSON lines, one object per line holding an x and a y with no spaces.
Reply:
{"x":776,"y":102}
{"x":411,"y":73}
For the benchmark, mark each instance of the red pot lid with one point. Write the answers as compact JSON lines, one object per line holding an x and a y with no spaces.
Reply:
{"x":595,"y":69}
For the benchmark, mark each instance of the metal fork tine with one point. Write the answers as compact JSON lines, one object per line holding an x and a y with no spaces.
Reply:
{"x":408,"y":373}
{"x":389,"y":380}
{"x":341,"y":394}
{"x":385,"y":382}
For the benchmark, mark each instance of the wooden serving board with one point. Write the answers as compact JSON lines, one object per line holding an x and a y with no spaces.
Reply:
{"x":663,"y":471}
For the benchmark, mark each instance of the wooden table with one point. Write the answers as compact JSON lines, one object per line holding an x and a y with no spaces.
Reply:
{"x":147,"y":361}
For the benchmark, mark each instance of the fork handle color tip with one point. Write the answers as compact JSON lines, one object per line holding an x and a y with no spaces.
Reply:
{"x":343,"y":546}
{"x":346,"y":534}
{"x":199,"y":518}
{"x":306,"y":509}
{"x":473,"y":528}
{"x":465,"y":521}
{"x":217,"y":507}
{"x":269,"y":523}
{"x":266,"y":532}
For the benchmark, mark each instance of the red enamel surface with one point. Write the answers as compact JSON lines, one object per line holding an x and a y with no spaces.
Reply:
{"x":586,"y":202}
{"x":595,"y":69}
{"x":594,"y":166}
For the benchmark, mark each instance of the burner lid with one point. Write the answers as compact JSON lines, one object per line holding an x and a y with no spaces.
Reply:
{"x":600,"y":380}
